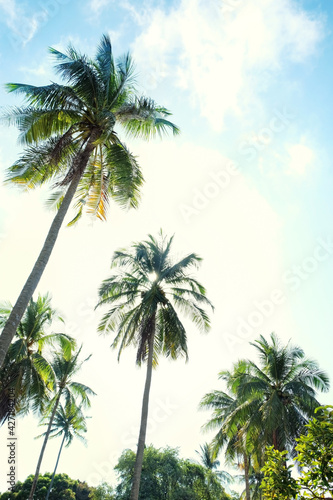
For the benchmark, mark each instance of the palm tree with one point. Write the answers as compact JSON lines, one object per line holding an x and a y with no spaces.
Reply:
{"x":210,"y":462}
{"x":206,"y":457}
{"x":27,"y":376}
{"x":144,"y":296}
{"x":70,"y":137}
{"x":230,"y":416}
{"x":72,"y":392}
{"x":265,"y":405}
{"x":281,"y":391}
{"x":69,"y":422}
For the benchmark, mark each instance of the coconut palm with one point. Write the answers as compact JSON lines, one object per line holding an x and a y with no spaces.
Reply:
{"x":264,"y":405}
{"x":27,"y":376}
{"x":70,"y":138}
{"x":145,"y":294}
{"x":69,"y":422}
{"x":230,"y":417}
{"x":70,"y":391}
{"x":281,"y":391}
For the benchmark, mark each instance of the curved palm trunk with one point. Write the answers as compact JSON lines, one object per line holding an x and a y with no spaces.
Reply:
{"x":27,"y":291}
{"x":55,"y":469}
{"x":246,"y":474}
{"x":39,"y":463}
{"x":143,"y":425}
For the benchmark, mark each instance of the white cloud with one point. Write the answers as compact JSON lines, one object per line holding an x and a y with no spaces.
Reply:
{"x":24,"y":23}
{"x":221,"y":53}
{"x":300,"y":159}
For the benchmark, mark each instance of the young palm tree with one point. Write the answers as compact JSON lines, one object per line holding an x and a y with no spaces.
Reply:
{"x":281,"y":390}
{"x":206,"y":457}
{"x":27,"y":376}
{"x":209,"y":461}
{"x":72,"y":392}
{"x":145,"y":296}
{"x":70,"y":138}
{"x":69,"y":422}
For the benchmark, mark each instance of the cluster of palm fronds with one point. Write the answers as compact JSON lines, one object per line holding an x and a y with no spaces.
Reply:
{"x":266,"y":404}
{"x":37,"y":375}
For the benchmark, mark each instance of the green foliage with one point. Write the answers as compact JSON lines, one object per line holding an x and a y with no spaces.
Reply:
{"x":277,"y":481}
{"x":315,"y":454}
{"x":102,"y":492}
{"x":68,"y":422}
{"x":64,"y":488}
{"x":27,"y":374}
{"x":315,"y":459}
{"x":167,"y":477}
{"x":58,"y":120}
{"x":145,"y":294}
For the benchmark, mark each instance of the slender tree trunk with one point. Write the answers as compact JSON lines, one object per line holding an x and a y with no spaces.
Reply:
{"x":34,"y":483}
{"x":275,"y":443}
{"x":27,"y":291}
{"x":55,"y":469}
{"x":246,"y":474}
{"x":144,"y":419}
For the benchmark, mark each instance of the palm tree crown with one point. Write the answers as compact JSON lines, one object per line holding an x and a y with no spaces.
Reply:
{"x":145,"y":295}
{"x":69,"y":133}
{"x":27,"y":373}
{"x":69,"y":422}
{"x":281,"y":391}
{"x":61,"y":120}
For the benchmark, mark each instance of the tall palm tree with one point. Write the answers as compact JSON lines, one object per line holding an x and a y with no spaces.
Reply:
{"x":69,"y":422}
{"x":27,"y":376}
{"x":145,"y":295}
{"x":72,"y":393}
{"x":281,"y":391}
{"x":70,"y":138}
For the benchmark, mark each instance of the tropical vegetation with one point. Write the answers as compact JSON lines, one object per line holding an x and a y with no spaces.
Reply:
{"x":69,"y":133}
{"x":73,"y":393}
{"x":165,"y":476}
{"x":68,"y":423}
{"x":27,"y":376}
{"x":314,"y":462}
{"x":268,"y":412}
{"x":266,"y":404}
{"x":145,"y":294}
{"x":64,"y":488}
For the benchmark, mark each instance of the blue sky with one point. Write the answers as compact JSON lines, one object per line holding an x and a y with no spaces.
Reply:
{"x":247,"y":185}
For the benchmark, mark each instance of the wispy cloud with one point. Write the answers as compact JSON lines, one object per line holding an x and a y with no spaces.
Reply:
{"x":222,"y":55}
{"x":24,"y":22}
{"x":22,"y":26}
